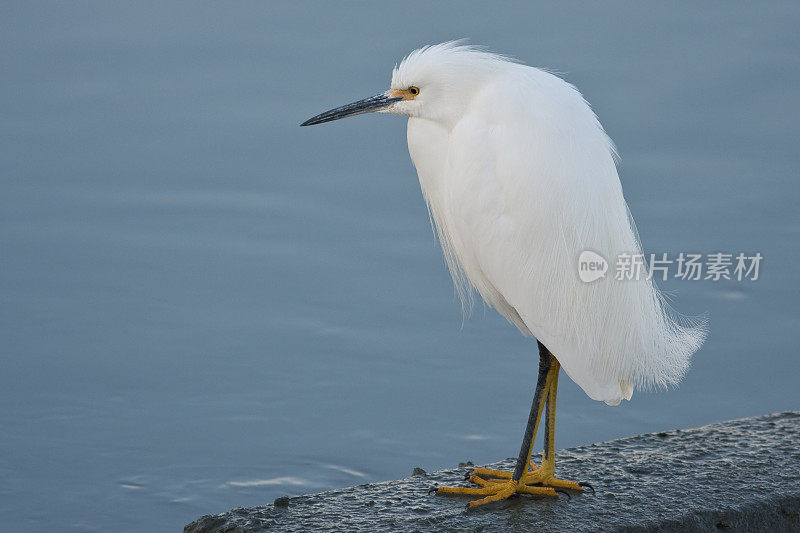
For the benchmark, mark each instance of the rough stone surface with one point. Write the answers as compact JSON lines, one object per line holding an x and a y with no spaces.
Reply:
{"x":742,"y":475}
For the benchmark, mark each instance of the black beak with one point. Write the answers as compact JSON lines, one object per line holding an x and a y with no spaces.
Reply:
{"x":367,"y":105}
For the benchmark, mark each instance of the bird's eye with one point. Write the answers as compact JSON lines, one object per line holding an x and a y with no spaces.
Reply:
{"x":413,"y":90}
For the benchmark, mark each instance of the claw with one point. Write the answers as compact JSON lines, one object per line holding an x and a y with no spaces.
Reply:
{"x":495,"y":485}
{"x":584,"y":484}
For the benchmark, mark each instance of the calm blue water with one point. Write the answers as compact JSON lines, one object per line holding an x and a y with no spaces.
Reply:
{"x":203,"y":305}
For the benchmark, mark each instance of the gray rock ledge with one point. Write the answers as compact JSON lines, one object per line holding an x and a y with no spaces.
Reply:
{"x":742,"y":475}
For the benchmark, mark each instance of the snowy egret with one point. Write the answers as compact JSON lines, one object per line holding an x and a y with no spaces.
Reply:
{"x":520,"y":179}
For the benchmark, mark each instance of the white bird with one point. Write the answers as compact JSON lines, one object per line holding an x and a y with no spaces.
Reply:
{"x":520,"y":179}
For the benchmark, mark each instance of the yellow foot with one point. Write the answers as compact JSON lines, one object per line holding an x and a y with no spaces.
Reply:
{"x":496,"y":485}
{"x":494,"y":490}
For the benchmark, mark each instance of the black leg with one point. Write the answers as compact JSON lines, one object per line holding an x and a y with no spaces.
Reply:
{"x":545,"y":360}
{"x":547,"y":434}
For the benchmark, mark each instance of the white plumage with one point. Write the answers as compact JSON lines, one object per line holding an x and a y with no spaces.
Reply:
{"x":520,"y":178}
